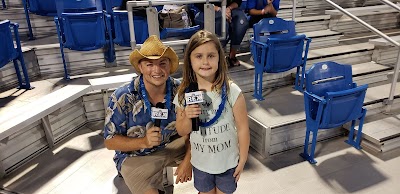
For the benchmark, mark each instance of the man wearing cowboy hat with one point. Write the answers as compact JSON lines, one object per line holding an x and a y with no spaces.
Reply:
{"x":143,"y":150}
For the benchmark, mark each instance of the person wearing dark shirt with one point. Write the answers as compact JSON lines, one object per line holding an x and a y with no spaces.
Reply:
{"x":237,"y":25}
{"x":259,"y":9}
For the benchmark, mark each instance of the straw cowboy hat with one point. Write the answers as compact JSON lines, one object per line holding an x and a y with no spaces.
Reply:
{"x":153,"y":48}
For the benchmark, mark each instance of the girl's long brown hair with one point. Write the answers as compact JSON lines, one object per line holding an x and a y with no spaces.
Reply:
{"x":221,"y":76}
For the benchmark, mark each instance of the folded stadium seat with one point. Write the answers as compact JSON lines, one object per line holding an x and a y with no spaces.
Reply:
{"x":38,"y":7}
{"x":331,"y":99}
{"x":10,"y":53}
{"x":276,"y":48}
{"x":4,"y":4}
{"x":83,"y":26}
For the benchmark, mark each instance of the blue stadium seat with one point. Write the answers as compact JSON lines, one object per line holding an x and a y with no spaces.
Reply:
{"x":331,"y":99}
{"x":83,"y":26}
{"x":4,"y":4}
{"x":276,"y":48}
{"x":38,"y":7}
{"x":10,"y":53}
{"x":121,"y":28}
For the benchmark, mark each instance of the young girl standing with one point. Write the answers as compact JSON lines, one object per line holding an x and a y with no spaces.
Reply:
{"x":220,"y":146}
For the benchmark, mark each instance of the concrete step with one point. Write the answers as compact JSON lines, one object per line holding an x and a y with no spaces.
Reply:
{"x":282,"y":112}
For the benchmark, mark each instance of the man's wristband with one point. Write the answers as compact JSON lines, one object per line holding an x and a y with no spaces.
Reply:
{"x":262,"y":11}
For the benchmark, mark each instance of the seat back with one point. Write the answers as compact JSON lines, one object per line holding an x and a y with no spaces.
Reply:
{"x":328,"y":76}
{"x":333,"y":82}
{"x":283,"y":50}
{"x":273,"y":28}
{"x":112,"y":3}
{"x":43,"y":7}
{"x":82,"y":24}
{"x":121,"y":28}
{"x":84,"y":31}
{"x":78,"y":6}
{"x":7,"y":50}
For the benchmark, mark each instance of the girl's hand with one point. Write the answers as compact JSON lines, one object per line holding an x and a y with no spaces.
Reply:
{"x":238,"y":172}
{"x":192,"y":111}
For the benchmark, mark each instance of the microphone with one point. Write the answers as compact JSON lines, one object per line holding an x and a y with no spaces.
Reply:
{"x":157,"y":122}
{"x":192,"y":98}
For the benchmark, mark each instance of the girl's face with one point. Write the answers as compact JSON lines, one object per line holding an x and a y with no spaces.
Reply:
{"x":204,"y":60}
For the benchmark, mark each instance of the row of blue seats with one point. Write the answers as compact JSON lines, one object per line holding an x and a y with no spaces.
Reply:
{"x":93,"y":24}
{"x":331,"y":98}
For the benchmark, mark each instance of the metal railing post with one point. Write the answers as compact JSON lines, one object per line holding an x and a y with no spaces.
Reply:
{"x":294,"y":10}
{"x":131,"y":4}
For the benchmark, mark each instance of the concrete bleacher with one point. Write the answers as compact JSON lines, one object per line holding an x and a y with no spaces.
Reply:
{"x":277,"y":123}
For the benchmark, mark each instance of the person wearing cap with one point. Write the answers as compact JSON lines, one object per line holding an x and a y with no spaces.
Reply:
{"x":143,"y":150}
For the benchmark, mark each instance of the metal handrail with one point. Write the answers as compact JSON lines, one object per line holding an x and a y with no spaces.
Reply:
{"x":131,"y":4}
{"x":390,"y":99}
{"x":391,"y":4}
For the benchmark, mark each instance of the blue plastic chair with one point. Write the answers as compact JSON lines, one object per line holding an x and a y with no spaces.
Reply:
{"x":121,"y":28}
{"x":10,"y":53}
{"x":332,"y":99}
{"x":276,"y":48}
{"x":38,"y":7}
{"x":83,"y":26}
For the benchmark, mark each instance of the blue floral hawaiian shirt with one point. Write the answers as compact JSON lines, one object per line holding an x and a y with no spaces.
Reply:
{"x":128,"y":115}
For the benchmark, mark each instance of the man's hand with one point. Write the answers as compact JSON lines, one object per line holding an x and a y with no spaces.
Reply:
{"x":184,"y":172}
{"x":153,"y":137}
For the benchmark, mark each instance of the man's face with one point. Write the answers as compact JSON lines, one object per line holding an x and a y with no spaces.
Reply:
{"x":155,"y":71}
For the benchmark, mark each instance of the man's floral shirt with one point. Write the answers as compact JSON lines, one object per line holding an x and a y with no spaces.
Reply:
{"x":128,"y":115}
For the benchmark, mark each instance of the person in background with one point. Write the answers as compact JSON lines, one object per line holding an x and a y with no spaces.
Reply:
{"x":259,"y":9}
{"x":142,"y":149}
{"x":237,"y":25}
{"x":220,"y":146}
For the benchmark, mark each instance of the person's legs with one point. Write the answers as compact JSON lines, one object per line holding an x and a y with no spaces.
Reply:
{"x":238,"y":28}
{"x":204,"y":182}
{"x":143,"y":174}
{"x":225,"y":182}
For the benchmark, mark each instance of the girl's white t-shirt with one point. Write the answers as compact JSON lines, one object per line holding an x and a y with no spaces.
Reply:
{"x":215,"y":149}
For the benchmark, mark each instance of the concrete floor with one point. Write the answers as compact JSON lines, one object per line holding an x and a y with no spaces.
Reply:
{"x":81,"y":164}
